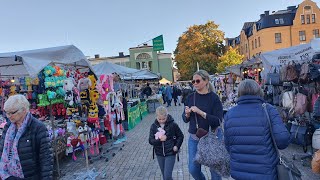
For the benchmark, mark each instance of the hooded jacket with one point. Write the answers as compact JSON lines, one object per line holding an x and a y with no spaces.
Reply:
{"x":248,"y":139}
{"x":174,"y":137}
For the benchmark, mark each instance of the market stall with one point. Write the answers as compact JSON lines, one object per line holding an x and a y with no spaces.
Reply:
{"x":51,"y":79}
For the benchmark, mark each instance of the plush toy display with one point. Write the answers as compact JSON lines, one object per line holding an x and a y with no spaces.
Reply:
{"x":84,"y":84}
{"x":93,"y":82}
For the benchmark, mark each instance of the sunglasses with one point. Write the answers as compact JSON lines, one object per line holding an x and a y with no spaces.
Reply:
{"x":11,"y":113}
{"x":196,"y":81}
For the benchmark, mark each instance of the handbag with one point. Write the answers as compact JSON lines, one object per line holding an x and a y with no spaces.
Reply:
{"x":286,"y":169}
{"x":200,"y":131}
{"x":211,"y":152}
{"x":273,"y":78}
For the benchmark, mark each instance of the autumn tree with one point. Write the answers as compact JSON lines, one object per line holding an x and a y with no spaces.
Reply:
{"x":202,"y":44}
{"x":231,"y":57}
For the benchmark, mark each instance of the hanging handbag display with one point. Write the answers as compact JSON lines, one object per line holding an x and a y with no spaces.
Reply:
{"x":291,"y":72}
{"x":200,"y":131}
{"x":273,"y":78}
{"x":286,"y":170}
{"x":211,"y":152}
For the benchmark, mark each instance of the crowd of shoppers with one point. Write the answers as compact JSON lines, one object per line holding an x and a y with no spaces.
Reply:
{"x":246,"y":130}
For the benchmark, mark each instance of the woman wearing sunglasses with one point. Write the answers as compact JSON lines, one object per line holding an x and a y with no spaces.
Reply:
{"x":203,"y":109}
{"x":25,"y":150}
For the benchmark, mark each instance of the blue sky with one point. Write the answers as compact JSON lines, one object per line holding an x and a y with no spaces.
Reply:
{"x":107,"y":27}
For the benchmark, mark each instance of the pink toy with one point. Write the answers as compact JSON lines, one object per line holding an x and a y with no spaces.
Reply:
{"x":105,"y":85}
{"x":160,"y":133}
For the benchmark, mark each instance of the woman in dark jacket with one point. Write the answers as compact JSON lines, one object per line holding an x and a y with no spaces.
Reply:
{"x":166,"y":138}
{"x":248,"y":138}
{"x":203,"y":109}
{"x":25,"y":149}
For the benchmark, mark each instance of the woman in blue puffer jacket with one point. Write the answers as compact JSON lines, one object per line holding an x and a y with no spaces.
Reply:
{"x":248,"y":138}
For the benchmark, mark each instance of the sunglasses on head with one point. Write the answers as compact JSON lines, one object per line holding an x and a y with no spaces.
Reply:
{"x":195,"y":81}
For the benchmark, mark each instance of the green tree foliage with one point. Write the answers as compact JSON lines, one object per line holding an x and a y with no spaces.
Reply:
{"x":231,"y":57}
{"x":202,"y":44}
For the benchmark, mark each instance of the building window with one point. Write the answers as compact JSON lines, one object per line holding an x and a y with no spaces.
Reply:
{"x":313,"y":18}
{"x":259,"y":43}
{"x":252,"y":44}
{"x":255,"y":43}
{"x":246,"y":48}
{"x":150,"y":65}
{"x":143,"y":56}
{"x":277,"y":37}
{"x":144,"y":65}
{"x":307,"y":8}
{"x":302,"y":35}
{"x":138,"y":65}
{"x":316,"y":33}
{"x":308,"y":18}
{"x":302,"y":19}
{"x":279,"y":21}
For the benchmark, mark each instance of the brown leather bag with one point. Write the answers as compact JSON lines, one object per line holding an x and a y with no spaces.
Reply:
{"x":315,"y":163}
{"x":291,"y":73}
{"x":304,"y":73}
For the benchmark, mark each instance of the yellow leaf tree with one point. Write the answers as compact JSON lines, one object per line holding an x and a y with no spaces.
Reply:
{"x":202,"y":44}
{"x":231,"y":57}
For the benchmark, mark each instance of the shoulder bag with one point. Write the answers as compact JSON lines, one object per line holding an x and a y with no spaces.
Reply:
{"x":211,"y":152}
{"x":286,"y":170}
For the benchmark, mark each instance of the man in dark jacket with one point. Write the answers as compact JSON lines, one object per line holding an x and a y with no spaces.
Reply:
{"x":166,"y":138}
{"x":29,"y":154}
{"x":147,"y":90}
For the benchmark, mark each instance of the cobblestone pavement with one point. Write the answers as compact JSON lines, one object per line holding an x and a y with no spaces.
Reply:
{"x":134,"y":161}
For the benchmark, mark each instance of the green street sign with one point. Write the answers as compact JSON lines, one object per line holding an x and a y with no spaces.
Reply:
{"x":158,"y":43}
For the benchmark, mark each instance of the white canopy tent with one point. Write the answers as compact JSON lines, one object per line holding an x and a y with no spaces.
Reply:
{"x":124,"y":72}
{"x":31,"y":62}
{"x":298,"y":54}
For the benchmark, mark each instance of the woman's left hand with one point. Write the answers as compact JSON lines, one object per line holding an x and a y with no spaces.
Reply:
{"x":195,"y":109}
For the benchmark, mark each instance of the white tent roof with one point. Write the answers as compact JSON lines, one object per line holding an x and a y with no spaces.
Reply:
{"x":31,"y":62}
{"x":125,"y":72}
{"x":300,"y":53}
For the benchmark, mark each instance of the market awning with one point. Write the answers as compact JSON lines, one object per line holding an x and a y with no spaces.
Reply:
{"x":31,"y":62}
{"x":164,"y":81}
{"x":124,"y":72}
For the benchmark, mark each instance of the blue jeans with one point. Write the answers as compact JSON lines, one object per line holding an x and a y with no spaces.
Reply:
{"x":194,"y":167}
{"x":166,"y":165}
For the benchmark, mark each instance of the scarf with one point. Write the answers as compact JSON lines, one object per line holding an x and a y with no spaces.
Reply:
{"x":12,"y":166}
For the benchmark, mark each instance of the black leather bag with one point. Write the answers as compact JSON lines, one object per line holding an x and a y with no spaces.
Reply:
{"x":286,"y":169}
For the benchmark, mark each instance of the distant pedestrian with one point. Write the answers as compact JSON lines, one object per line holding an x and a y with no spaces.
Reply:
{"x":169,"y":92}
{"x":166,"y":138}
{"x":186,"y":91}
{"x":175,"y":94}
{"x":147,"y":90}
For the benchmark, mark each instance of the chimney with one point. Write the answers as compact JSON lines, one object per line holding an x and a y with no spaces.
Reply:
{"x":291,"y":7}
{"x":266,"y":13}
{"x":96,"y":56}
{"x":121,"y":54}
{"x":261,"y":16}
